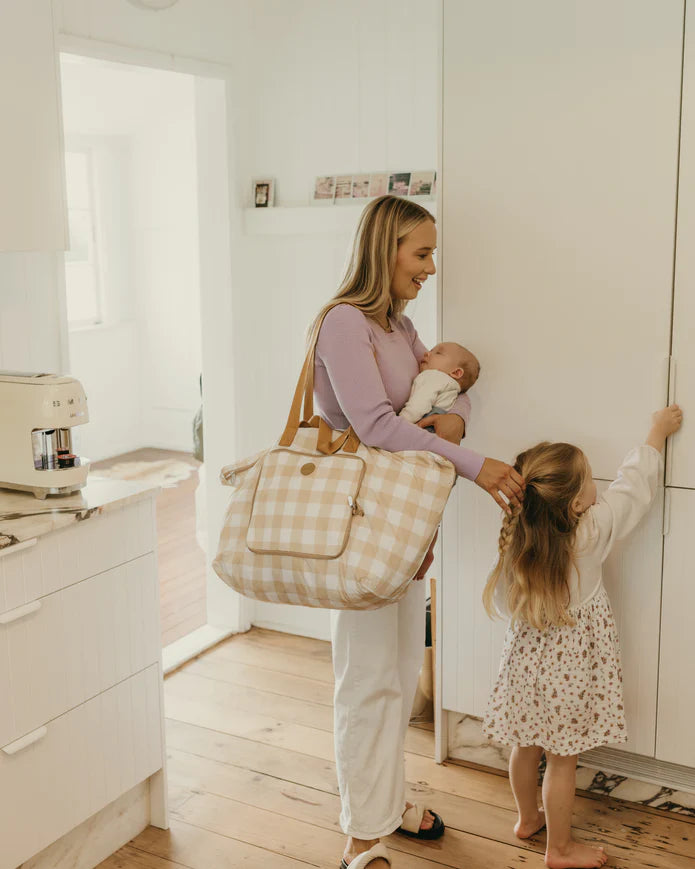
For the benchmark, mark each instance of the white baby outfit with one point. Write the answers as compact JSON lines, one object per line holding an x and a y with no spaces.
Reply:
{"x":561,"y":688}
{"x":431,"y":388}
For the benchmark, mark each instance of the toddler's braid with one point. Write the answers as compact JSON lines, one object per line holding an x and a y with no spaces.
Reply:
{"x":509,"y":524}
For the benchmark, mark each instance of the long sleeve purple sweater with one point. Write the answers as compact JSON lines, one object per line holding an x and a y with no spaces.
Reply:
{"x":363,"y":376}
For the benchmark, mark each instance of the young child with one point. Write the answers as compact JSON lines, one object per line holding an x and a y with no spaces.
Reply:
{"x":445,"y":371}
{"x":559,"y":688}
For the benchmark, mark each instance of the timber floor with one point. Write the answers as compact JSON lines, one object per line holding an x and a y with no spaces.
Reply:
{"x":252,"y":781}
{"x":180,"y":560}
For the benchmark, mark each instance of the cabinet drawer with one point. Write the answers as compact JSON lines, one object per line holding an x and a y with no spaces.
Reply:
{"x":83,"y":761}
{"x":76,"y":552}
{"x":62,"y":649}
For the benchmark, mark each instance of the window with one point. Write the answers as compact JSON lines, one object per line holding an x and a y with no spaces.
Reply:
{"x":82,"y":261}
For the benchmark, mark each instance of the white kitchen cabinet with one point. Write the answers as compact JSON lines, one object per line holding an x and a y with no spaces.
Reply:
{"x":32,"y":192}
{"x":675,"y":741}
{"x":472,"y":642}
{"x":559,"y":169}
{"x":559,"y":181}
{"x":681,"y":455}
{"x":81,"y":722}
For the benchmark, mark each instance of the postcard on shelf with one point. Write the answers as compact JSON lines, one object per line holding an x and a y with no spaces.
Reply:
{"x":360,"y":186}
{"x":263,"y":192}
{"x":324,"y":190}
{"x":422,"y":183}
{"x":378,"y":183}
{"x":399,"y":183}
{"x":343,"y":188}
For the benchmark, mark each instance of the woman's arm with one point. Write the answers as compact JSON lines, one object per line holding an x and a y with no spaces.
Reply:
{"x":345,"y":348}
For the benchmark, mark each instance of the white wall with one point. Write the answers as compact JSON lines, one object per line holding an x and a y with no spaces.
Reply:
{"x":313,"y":87}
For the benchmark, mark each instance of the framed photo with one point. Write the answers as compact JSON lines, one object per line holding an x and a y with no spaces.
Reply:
{"x":324,"y":189}
{"x":343,"y":188}
{"x":360,"y":186}
{"x":422,"y":183}
{"x":263,"y":192}
{"x":399,"y":183}
{"x":378,"y":184}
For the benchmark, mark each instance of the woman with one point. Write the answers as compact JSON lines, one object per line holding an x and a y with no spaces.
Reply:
{"x":367,"y":356}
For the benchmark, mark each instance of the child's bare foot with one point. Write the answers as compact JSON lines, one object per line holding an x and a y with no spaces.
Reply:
{"x":575,"y":856}
{"x":530,"y":826}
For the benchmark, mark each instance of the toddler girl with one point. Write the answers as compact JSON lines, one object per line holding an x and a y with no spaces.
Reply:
{"x":559,"y":688}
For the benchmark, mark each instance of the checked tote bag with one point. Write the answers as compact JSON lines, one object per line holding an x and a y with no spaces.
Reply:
{"x":322,"y":520}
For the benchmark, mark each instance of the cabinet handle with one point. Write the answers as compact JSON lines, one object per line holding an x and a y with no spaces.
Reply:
{"x":666,"y":526}
{"x":20,"y":612}
{"x":671,"y":400}
{"x":17,"y":547}
{"x":26,"y":741}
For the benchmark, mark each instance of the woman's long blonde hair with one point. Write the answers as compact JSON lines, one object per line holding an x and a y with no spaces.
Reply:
{"x":367,"y":282}
{"x":536,"y":543}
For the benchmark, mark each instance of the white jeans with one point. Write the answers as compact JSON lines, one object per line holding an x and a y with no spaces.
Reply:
{"x":377,"y":656}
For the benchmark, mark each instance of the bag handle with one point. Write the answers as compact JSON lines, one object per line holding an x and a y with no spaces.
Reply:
{"x":302,"y":409}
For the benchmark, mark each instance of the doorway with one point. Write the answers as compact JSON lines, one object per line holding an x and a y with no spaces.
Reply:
{"x":134,"y":138}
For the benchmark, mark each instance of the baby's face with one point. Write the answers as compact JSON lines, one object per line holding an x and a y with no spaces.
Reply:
{"x":454,"y":360}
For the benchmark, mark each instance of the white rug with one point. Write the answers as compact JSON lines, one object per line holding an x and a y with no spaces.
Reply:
{"x":166,"y":472}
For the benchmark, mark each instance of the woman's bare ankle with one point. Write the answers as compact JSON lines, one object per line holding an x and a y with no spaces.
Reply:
{"x":358,"y":846}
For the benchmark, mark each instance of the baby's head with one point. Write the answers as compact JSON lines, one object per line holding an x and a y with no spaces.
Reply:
{"x":454,"y":360}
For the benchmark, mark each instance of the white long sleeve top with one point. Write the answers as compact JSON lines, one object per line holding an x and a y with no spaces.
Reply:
{"x":431,"y":388}
{"x":617,"y":512}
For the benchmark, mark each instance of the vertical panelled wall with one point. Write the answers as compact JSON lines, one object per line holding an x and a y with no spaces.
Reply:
{"x":559,"y":175}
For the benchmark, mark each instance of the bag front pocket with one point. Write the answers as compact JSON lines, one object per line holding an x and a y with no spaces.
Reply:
{"x":304,"y":504}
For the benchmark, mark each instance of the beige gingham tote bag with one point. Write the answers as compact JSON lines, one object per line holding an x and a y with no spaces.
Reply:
{"x":322,"y":520}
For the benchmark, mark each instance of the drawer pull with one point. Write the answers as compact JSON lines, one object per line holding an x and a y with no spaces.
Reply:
{"x":20,"y":612}
{"x":17,"y":547}
{"x":26,"y":741}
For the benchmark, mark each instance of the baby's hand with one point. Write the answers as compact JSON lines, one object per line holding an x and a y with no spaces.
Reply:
{"x":667,"y":421}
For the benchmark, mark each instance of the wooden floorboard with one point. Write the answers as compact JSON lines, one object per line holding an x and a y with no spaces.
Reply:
{"x":181,"y":562}
{"x":252,"y":781}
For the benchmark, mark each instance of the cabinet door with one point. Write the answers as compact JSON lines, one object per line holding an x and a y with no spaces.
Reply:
{"x":559,"y":169}
{"x":681,"y":448}
{"x":675,"y":741}
{"x":472,"y":642}
{"x":32,"y":199}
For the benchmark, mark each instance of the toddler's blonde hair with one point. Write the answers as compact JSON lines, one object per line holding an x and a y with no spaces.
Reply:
{"x":536,"y":542}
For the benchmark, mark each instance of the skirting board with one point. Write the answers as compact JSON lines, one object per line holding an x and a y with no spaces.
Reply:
{"x":608,"y":771}
{"x":99,"y":836}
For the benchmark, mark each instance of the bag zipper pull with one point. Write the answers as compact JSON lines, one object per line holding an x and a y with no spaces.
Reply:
{"x":355,"y":507}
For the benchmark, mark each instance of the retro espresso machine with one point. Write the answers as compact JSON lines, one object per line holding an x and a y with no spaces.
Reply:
{"x":37,"y":414}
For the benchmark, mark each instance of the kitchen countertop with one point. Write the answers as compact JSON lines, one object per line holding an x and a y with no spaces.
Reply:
{"x":23,"y":517}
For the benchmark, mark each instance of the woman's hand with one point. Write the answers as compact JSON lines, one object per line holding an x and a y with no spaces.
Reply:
{"x":429,"y":558}
{"x":496,"y":477}
{"x":449,"y":426}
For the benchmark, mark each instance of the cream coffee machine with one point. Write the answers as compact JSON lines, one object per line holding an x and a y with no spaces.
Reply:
{"x":37,"y":414}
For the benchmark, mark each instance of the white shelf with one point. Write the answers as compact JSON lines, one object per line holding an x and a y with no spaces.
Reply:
{"x":310,"y":219}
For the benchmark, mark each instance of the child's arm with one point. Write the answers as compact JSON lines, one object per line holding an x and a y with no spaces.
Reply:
{"x":422,"y":397}
{"x":627,"y":500}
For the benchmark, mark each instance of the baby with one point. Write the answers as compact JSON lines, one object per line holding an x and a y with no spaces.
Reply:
{"x":445,"y":371}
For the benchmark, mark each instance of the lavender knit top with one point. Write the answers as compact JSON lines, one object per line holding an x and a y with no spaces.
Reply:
{"x":363,"y":377}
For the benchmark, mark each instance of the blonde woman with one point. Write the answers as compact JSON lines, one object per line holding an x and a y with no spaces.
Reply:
{"x":367,"y":356}
{"x":559,"y":688}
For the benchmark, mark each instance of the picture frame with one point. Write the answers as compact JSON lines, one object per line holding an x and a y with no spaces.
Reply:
{"x":399,"y":183}
{"x":324,"y":189}
{"x":263,"y":192}
{"x":422,"y":184}
{"x":378,"y":184}
{"x":360,"y":186}
{"x":343,"y":189}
